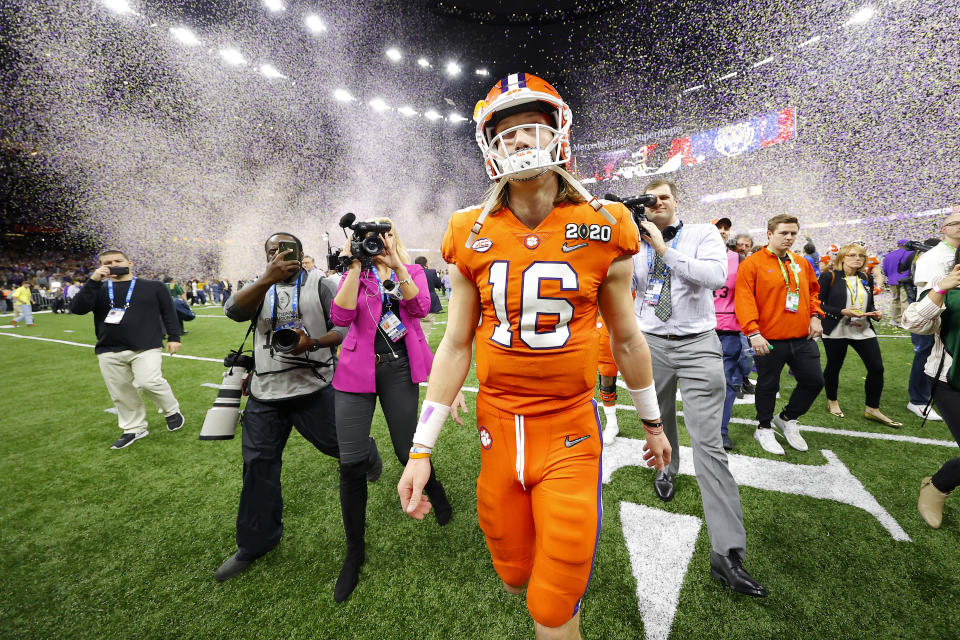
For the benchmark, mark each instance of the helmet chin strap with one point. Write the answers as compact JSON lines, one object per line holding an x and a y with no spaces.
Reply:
{"x":495,"y":195}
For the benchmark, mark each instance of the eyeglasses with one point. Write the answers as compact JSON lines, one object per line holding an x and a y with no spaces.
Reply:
{"x":951,"y":224}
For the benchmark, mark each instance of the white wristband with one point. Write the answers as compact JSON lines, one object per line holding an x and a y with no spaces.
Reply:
{"x":432,"y":417}
{"x":645,"y":400}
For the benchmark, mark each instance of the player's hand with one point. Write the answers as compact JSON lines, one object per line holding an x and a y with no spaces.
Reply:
{"x":172,"y":347}
{"x":279,"y":269}
{"x":653,"y":237}
{"x":657,"y":451}
{"x":816,"y":329}
{"x":415,"y":475}
{"x":100,"y":273}
{"x":759,"y":345}
{"x":459,"y":404}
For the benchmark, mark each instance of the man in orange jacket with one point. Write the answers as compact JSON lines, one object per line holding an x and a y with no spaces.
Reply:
{"x":778,"y":306}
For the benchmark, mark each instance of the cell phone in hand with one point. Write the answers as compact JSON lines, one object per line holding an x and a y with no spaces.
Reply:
{"x":292,"y":246}
{"x":119,"y":271}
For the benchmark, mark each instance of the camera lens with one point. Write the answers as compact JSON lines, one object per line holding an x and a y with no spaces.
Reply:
{"x":372,"y":245}
{"x":285,"y":340}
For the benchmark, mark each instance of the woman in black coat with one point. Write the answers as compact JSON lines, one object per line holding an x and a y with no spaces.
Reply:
{"x":846,"y":295}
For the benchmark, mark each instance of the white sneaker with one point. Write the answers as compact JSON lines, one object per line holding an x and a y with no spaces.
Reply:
{"x":791,"y":432}
{"x":768,"y":440}
{"x":917,"y":410}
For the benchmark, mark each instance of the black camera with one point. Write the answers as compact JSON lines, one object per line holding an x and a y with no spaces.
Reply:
{"x":914,"y":245}
{"x":364,"y":245}
{"x":285,"y":340}
{"x":238,"y":359}
{"x":637,"y":206}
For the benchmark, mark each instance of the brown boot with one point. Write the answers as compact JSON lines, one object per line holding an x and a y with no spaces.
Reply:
{"x":930,"y":503}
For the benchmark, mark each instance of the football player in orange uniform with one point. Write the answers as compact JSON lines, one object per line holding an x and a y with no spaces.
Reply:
{"x":532,"y":276}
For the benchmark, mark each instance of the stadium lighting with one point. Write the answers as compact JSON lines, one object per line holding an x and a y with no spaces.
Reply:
{"x":807,"y":43}
{"x":314,"y":23}
{"x":766,"y":60}
{"x":273,"y":5}
{"x":270,"y":71}
{"x":185,"y":36}
{"x":394,"y":54}
{"x":379,"y":105}
{"x":343,"y":95}
{"x":453,"y":68}
{"x":407,"y":111}
{"x":696,"y":88}
{"x":119,"y":6}
{"x":482,"y":72}
{"x":732,"y":74}
{"x":432,"y":115}
{"x":456,"y":118}
{"x":864,"y":14}
{"x":423,"y":62}
{"x":232,"y":56}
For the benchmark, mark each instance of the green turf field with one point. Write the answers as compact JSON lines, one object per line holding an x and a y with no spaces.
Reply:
{"x":101,"y":544}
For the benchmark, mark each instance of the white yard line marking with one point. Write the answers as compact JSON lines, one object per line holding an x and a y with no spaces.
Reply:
{"x":90,"y":346}
{"x":672,"y":537}
{"x":832,"y":481}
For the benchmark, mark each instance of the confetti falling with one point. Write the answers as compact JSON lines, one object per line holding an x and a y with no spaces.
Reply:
{"x":149,"y":139}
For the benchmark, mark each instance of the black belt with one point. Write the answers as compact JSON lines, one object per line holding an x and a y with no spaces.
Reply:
{"x":725,"y":332}
{"x":686,"y":337}
{"x":388,"y":357}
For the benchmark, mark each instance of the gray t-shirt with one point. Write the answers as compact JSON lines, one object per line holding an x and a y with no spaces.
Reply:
{"x":280,"y":376}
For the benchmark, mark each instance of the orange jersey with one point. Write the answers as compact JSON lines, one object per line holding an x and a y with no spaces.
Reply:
{"x":537,"y":339}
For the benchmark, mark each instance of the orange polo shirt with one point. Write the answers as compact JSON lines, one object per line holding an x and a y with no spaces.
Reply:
{"x":761,"y":300}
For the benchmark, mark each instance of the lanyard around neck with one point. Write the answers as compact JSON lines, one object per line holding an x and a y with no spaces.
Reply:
{"x":126,"y":303}
{"x":855,"y":291}
{"x":384,"y":298}
{"x":666,"y":269}
{"x":294,"y":307}
{"x":786,"y":278}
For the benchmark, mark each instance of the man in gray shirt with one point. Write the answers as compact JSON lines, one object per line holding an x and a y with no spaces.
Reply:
{"x":675,"y":273}
{"x":294,"y":351}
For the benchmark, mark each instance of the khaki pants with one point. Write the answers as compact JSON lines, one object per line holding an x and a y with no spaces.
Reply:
{"x":898,"y":302}
{"x":125,"y":372}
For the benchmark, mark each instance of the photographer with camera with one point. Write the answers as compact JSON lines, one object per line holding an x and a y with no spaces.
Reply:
{"x":294,"y":354}
{"x":129,"y":315}
{"x":385,"y":355}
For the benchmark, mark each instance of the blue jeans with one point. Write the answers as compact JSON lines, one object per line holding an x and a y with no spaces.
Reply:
{"x":919,"y":386}
{"x":25,"y":312}
{"x":746,"y":360}
{"x":732,"y":359}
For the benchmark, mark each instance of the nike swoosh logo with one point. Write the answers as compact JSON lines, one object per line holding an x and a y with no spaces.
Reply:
{"x":567,"y":249}
{"x":567,"y":442}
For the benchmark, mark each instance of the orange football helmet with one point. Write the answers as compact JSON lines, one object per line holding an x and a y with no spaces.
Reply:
{"x":517,"y":93}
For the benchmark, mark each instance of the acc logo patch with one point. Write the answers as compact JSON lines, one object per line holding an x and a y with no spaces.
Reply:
{"x":482,"y":245}
{"x":532,"y":241}
{"x":486,"y":440}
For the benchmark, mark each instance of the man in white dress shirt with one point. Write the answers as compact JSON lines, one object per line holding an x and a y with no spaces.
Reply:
{"x":675,"y":274}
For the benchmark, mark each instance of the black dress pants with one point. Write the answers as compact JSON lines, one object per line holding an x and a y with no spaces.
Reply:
{"x":266,"y":427}
{"x":803,"y":356}
{"x":869,"y":352}
{"x":947,"y":400}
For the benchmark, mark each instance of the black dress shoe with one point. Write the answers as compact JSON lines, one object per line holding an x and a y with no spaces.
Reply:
{"x":748,"y":387}
{"x":727,"y":442}
{"x":729,"y":570}
{"x":663,"y":485}
{"x":349,"y":576}
{"x":231,"y":567}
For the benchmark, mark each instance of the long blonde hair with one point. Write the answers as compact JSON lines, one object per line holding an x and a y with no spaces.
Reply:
{"x":566,"y":192}
{"x":401,"y":250}
{"x":842,"y":253}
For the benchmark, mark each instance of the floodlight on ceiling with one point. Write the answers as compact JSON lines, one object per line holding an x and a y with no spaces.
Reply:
{"x":423,"y":62}
{"x":452,"y":68}
{"x":378,"y":105}
{"x":185,"y":36}
{"x":314,"y":23}
{"x":432,"y":115}
{"x":864,"y":14}
{"x":118,"y":6}
{"x":394,"y":54}
{"x":407,"y":111}
{"x":482,"y":72}
{"x":232,"y":56}
{"x":456,"y":118}
{"x":270,"y":71}
{"x":343,"y":95}
{"x":273,"y":5}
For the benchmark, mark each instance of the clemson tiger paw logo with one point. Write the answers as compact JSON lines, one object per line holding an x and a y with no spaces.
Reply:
{"x":486,"y":440}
